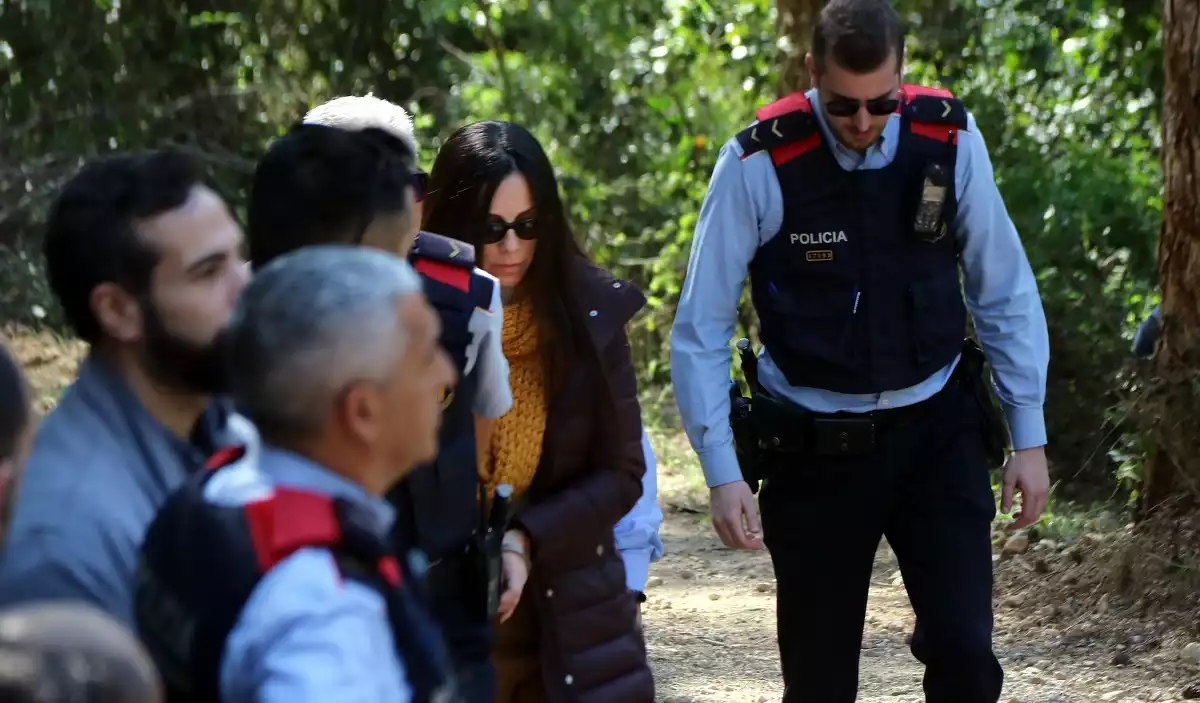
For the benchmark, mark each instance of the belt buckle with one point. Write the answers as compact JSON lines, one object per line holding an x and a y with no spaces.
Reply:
{"x":843,"y":436}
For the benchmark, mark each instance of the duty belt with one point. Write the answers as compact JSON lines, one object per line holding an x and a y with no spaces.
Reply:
{"x":784,"y":427}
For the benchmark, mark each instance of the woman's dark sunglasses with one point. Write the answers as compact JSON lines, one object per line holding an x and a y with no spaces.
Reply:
{"x":496,"y":228}
{"x":420,"y":185}
{"x":848,"y":107}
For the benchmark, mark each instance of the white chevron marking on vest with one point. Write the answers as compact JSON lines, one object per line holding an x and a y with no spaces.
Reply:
{"x":774,"y":125}
{"x":754,"y":133}
{"x":454,"y":250}
{"x":947,"y":110}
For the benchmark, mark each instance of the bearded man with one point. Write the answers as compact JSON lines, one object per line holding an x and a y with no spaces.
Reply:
{"x":146,"y":262}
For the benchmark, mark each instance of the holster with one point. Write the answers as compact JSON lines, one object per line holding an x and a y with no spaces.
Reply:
{"x":995,"y":428}
{"x":765,"y":429}
{"x":745,"y":438}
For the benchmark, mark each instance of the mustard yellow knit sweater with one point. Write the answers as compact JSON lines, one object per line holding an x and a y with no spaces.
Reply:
{"x":516,"y":446}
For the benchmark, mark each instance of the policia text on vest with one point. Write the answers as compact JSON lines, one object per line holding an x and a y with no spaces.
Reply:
{"x":770,"y":433}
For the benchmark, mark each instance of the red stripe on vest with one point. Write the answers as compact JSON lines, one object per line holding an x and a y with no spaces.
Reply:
{"x":784,"y":105}
{"x":941,"y":132}
{"x":783,"y":154}
{"x":290,"y":520}
{"x":455,"y":276}
{"x":389,"y":569}
{"x":910,"y":90}
{"x":224,"y":457}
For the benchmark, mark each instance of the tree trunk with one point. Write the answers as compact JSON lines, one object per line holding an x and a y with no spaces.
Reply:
{"x":794,"y":23}
{"x":1171,"y":472}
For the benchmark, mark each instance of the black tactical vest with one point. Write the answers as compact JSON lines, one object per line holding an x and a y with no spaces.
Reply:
{"x":437,"y":502}
{"x":200,"y":563}
{"x":851,"y":296}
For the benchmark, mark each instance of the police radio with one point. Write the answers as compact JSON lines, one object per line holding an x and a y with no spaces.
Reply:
{"x":928,"y":223}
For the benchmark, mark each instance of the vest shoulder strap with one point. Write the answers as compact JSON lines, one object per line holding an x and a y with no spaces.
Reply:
{"x":933,"y":112}
{"x":443,"y":259}
{"x":786,"y":128}
{"x":290,"y":520}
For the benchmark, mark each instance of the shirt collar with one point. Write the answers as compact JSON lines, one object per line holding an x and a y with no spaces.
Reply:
{"x":879,"y":154}
{"x":98,"y":376}
{"x":290,"y":469}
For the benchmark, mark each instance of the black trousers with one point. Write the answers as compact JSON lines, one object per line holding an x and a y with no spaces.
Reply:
{"x":927,"y":489}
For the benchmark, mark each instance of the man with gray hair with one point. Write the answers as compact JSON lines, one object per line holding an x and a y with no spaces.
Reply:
{"x":265,"y":578}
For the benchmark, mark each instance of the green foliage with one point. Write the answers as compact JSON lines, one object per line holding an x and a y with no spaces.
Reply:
{"x":633,"y":103}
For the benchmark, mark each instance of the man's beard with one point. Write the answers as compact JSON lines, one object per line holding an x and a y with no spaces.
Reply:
{"x":180,"y":363}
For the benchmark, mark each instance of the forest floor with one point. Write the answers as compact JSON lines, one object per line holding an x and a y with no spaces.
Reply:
{"x":1062,"y":633}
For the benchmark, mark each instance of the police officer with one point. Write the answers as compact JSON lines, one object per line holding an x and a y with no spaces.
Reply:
{"x":852,"y":207}
{"x":438,"y":504}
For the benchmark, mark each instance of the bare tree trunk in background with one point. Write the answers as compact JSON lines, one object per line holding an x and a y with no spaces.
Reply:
{"x":794,"y":22}
{"x":1170,"y":472}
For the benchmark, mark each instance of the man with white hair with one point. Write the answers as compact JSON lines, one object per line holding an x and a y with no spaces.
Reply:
{"x":438,"y":505}
{"x":272,"y":578}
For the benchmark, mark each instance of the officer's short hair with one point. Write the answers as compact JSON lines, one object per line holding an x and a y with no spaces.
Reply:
{"x":64,"y":652}
{"x":322,"y":185}
{"x":858,"y":35}
{"x":355,"y":113}
{"x":15,"y":410}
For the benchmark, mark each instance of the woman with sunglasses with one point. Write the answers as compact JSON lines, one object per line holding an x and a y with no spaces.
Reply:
{"x":571,"y":445}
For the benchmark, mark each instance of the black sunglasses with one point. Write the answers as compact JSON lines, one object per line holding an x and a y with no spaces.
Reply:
{"x":848,"y":107}
{"x":496,"y":229}
{"x":420,"y":185}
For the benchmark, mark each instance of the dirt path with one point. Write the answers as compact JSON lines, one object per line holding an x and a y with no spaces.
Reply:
{"x":710,"y":623}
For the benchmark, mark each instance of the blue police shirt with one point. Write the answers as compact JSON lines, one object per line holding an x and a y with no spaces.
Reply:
{"x":306,"y":635}
{"x":743,"y":210}
{"x":636,"y":534}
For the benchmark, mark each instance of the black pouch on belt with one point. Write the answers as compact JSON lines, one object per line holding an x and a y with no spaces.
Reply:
{"x":782,"y":427}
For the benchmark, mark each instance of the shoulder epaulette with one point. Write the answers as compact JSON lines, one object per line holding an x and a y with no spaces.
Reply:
{"x":444,"y":249}
{"x":934,"y":107}
{"x":443,"y":259}
{"x":786,"y":124}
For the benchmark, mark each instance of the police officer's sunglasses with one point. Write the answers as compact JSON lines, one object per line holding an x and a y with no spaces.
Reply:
{"x":495,"y":229}
{"x":420,"y":185}
{"x":848,"y":107}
